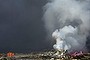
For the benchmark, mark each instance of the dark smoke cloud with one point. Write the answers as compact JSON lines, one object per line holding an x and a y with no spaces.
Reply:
{"x":21,"y":26}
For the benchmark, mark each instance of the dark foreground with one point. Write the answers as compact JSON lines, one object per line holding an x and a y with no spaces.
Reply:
{"x":50,"y":55}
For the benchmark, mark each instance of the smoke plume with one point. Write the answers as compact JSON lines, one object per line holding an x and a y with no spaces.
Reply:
{"x":68,"y":20}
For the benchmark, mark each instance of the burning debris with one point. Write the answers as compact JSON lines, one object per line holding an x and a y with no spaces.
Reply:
{"x":47,"y":55}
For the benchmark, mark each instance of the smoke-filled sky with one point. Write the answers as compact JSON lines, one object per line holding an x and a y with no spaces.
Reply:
{"x":21,"y":26}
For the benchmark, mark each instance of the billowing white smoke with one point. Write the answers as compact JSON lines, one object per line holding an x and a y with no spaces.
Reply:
{"x":60,"y":36}
{"x":69,"y":19}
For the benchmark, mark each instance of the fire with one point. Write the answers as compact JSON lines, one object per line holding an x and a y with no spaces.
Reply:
{"x":10,"y":54}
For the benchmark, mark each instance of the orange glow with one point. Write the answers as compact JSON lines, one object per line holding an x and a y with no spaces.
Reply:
{"x":10,"y":54}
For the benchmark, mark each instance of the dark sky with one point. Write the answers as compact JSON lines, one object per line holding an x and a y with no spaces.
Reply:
{"x":21,"y":26}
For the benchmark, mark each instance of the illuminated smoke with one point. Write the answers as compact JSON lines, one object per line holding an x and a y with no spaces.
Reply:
{"x":69,"y":21}
{"x":60,"y":36}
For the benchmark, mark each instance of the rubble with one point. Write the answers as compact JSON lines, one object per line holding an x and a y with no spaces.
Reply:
{"x":50,"y":55}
